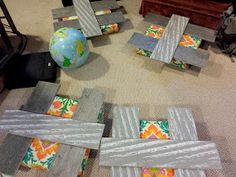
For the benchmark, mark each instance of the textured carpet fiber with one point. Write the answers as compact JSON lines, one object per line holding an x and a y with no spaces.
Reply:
{"x":127,"y":78}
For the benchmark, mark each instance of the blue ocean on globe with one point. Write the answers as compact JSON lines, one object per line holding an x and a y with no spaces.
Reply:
{"x":69,"y":48}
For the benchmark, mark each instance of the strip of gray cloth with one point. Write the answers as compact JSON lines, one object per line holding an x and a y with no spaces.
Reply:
{"x":182,"y":128}
{"x":125,"y":125}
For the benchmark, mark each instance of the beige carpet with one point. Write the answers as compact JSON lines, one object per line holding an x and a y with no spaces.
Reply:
{"x":127,"y":78}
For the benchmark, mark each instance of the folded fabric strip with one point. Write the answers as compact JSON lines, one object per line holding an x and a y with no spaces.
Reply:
{"x":41,"y":153}
{"x":106,"y":29}
{"x":191,"y":41}
{"x":155,"y":130}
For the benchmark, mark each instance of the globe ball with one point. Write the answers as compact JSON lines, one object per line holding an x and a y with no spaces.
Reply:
{"x":69,"y":48}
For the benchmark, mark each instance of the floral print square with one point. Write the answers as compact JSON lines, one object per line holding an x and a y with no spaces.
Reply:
{"x":155,"y":130}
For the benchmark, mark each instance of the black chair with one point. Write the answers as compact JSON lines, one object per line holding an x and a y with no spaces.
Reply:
{"x":6,"y":48}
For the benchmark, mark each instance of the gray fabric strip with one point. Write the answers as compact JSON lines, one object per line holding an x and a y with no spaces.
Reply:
{"x":41,"y":98}
{"x":68,"y":23}
{"x":125,"y":122}
{"x":181,"y":124}
{"x":143,"y":42}
{"x":104,"y":5}
{"x":67,"y":131}
{"x":125,"y":125}
{"x":165,"y":48}
{"x":67,"y":162}
{"x":164,"y":154}
{"x":63,"y":12}
{"x":107,"y":19}
{"x":182,"y":128}
{"x":90,"y":105}
{"x":12,"y":151}
{"x":88,"y":22}
{"x":191,"y":56}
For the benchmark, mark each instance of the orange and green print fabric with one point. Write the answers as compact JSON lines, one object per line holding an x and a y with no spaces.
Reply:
{"x":41,"y":153}
{"x":155,"y":130}
{"x":187,"y":40}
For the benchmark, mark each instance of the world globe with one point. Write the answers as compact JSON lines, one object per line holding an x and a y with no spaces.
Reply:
{"x":69,"y":48}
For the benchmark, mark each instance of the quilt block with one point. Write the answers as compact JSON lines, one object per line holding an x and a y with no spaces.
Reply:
{"x":41,"y":153}
{"x":191,"y":41}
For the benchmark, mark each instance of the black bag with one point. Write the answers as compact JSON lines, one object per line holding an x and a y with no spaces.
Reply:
{"x":27,"y":70}
{"x":67,"y":3}
{"x":226,"y":32}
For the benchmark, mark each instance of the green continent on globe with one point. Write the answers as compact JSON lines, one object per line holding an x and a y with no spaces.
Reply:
{"x":61,"y":33}
{"x":80,"y":48}
{"x":66,"y":62}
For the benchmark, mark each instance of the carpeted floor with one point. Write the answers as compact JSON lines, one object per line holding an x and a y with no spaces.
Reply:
{"x":127,"y":78}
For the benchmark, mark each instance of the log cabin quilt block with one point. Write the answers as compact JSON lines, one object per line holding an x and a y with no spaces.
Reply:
{"x":106,"y":29}
{"x":41,"y":153}
{"x":191,"y":41}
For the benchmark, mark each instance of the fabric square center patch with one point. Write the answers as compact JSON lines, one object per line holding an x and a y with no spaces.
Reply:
{"x":155,"y":130}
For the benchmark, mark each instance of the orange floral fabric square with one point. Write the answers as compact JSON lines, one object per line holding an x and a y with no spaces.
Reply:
{"x":155,"y":130}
